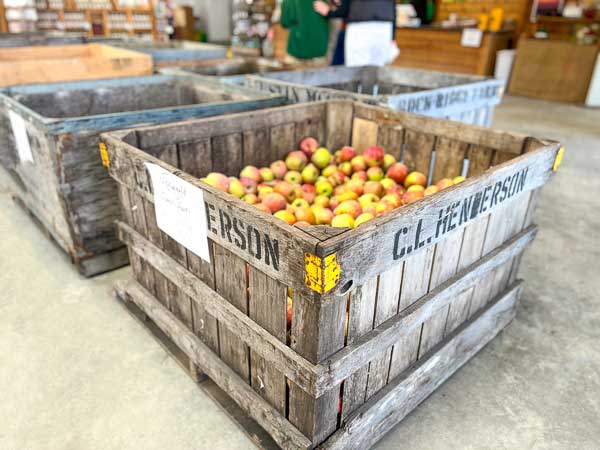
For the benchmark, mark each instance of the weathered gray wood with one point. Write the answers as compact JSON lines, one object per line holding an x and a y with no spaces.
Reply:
{"x":418,"y":148}
{"x":195,"y":157}
{"x":257,"y":148}
{"x":268,"y":308}
{"x":268,"y":417}
{"x":449,"y":158}
{"x":268,"y":346}
{"x":391,"y":238}
{"x":276,"y":248}
{"x":345,"y":362}
{"x":364,"y":134}
{"x":480,"y":159}
{"x":231,"y":284}
{"x":391,"y":139}
{"x":317,"y":332}
{"x":368,"y":424}
{"x":338,"y":124}
{"x":360,"y":321}
{"x":227,"y":154}
{"x":283,"y":140}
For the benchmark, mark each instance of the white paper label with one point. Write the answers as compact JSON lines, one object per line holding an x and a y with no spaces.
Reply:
{"x":21,"y":139}
{"x":471,"y":37}
{"x":180,"y":210}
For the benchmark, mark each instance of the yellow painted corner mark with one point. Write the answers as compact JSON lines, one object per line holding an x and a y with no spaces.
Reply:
{"x":559,"y":157}
{"x":321,"y":278}
{"x":104,"y":155}
{"x":229,"y":53}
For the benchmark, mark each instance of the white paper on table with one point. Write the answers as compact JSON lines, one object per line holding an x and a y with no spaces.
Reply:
{"x":471,"y":37}
{"x":21,"y":139}
{"x":180,"y":210}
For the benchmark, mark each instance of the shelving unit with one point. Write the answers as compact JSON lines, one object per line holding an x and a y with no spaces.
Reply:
{"x":17,"y":16}
{"x":110,"y":18}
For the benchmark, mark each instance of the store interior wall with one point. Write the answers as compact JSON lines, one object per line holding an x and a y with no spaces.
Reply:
{"x":215,"y":17}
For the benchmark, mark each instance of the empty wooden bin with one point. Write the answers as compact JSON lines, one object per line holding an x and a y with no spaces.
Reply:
{"x":381,"y":314}
{"x":50,"y":64}
{"x":465,"y":98}
{"x":49,"y":136}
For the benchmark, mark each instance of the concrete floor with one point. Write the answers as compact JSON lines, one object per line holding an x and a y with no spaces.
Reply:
{"x":78,"y":372}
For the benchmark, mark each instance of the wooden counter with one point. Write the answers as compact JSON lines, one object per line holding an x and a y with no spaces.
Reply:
{"x":440,"y":49}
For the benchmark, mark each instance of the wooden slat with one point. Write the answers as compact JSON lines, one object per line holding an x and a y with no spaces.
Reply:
{"x":267,"y":417}
{"x":360,"y":321}
{"x":347,"y":360}
{"x":230,"y":282}
{"x":338,"y":130}
{"x":257,"y":147}
{"x":283,"y":140}
{"x":369,"y":423}
{"x":227,"y":154}
{"x":195,"y":157}
{"x":267,"y":307}
{"x":480,"y":160}
{"x":364,"y":134}
{"x":295,"y":367}
{"x":449,"y":158}
{"x":317,"y":332}
{"x":391,"y":139}
{"x":418,"y":149}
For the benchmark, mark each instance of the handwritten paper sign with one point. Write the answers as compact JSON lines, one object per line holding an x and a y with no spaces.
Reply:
{"x":471,"y":37}
{"x":21,"y":139}
{"x":180,"y":210}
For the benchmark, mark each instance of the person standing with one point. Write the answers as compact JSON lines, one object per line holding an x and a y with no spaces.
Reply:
{"x":308,"y":34}
{"x":370,"y":31}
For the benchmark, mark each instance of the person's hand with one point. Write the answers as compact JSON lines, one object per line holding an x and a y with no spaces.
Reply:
{"x":321,"y":7}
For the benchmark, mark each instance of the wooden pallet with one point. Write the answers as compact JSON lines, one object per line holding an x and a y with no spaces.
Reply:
{"x":382,"y":314}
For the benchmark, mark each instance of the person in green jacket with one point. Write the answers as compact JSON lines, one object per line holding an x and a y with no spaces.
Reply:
{"x":309,"y":32}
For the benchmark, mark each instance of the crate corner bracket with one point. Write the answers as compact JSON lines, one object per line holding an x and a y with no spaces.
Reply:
{"x":321,"y":274}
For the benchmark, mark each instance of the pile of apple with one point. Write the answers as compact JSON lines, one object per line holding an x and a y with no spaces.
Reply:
{"x":314,"y":187}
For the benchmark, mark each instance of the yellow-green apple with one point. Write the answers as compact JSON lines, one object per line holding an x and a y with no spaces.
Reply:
{"x":444,"y":183}
{"x":387,"y":183}
{"x":345,"y":167}
{"x":458,"y":179}
{"x":236,"y":188}
{"x":360,"y":175}
{"x":305,"y":214}
{"x":334,"y":201}
{"x":351,"y":207}
{"x":324,"y":188}
{"x":388,"y":161}
{"x":337,"y":178}
{"x":375,"y":173}
{"x":296,"y":160}
{"x":383,"y":208}
{"x":397,"y":172}
{"x":286,"y":189}
{"x":339,"y":189}
{"x":346,"y":154}
{"x":321,"y":158}
{"x":348,"y":195}
{"x":293,"y":176}
{"x":308,"y":145}
{"x":218,"y":181}
{"x":266,"y":174}
{"x":373,"y":187}
{"x":275,"y":202}
{"x":373,"y":156}
{"x":249,"y":184}
{"x":343,"y":221}
{"x":251,"y":172}
{"x":300,"y":203}
{"x":431,"y":190}
{"x":355,"y":186}
{"x":417,"y":188}
{"x":364,"y":217}
{"x":263,"y":191}
{"x":396,"y":189}
{"x":412,"y":196}
{"x":286,"y":216}
{"x":323,"y":216}
{"x":262,"y":207}
{"x":358,"y":163}
{"x":367,"y":199}
{"x":415,"y":178}
{"x":279,"y":169}
{"x":321,"y":200}
{"x":310,"y":173}
{"x":251,"y":199}
{"x":329,"y":170}
{"x":394,"y":199}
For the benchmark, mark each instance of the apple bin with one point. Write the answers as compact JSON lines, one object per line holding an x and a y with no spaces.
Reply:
{"x":465,"y":98}
{"x":49,"y":142}
{"x":381,"y":314}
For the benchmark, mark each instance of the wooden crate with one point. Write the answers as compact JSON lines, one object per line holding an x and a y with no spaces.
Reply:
{"x":49,"y":64}
{"x":469,"y":99}
{"x":178,"y":53}
{"x":382,"y":314}
{"x":230,"y":70}
{"x":62,"y":181}
{"x":553,"y":70}
{"x":36,"y":38}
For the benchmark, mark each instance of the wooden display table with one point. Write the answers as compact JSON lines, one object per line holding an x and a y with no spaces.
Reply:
{"x":440,"y":49}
